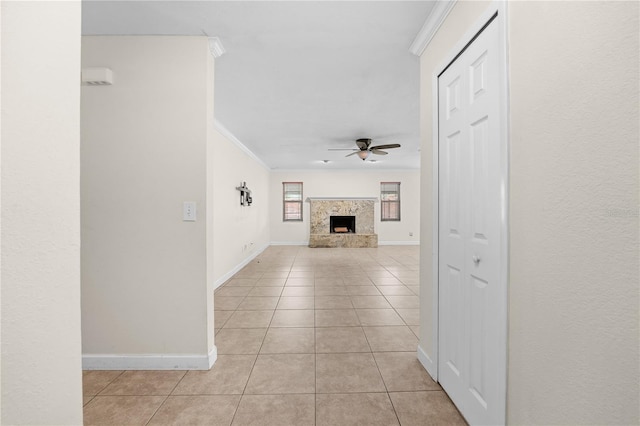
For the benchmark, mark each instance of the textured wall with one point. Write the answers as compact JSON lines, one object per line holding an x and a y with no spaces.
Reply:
{"x":41,"y":368}
{"x":239,"y":232}
{"x":145,"y":288}
{"x":574,"y":186}
{"x":573,"y":341}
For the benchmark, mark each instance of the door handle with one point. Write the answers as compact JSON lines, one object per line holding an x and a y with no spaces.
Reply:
{"x":476,"y":259}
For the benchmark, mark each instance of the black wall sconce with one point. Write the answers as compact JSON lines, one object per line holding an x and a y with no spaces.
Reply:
{"x":245,"y":194}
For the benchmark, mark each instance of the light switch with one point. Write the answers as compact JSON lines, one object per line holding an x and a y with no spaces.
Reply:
{"x":189,"y":211}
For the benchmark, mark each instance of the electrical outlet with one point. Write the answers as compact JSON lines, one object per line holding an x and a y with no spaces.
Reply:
{"x":411,"y":234}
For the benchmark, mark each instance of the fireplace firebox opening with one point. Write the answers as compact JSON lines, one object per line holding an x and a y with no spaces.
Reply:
{"x":342,"y":224}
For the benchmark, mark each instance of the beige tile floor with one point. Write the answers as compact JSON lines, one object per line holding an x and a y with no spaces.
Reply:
{"x":304,"y":336}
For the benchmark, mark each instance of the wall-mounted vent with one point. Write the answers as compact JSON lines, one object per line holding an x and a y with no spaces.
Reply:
{"x":97,"y":76}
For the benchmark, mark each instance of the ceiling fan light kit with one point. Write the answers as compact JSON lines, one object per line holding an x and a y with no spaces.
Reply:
{"x":363,"y":155}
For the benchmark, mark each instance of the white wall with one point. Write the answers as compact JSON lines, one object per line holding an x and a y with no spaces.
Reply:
{"x":240,"y":232}
{"x":574,"y":279}
{"x":208,"y":217}
{"x":146,"y":295}
{"x":1,"y":7}
{"x":573,"y":284}
{"x":41,"y":366}
{"x":347,"y":183}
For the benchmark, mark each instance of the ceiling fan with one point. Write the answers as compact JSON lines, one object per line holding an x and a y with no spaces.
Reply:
{"x":365,"y":148}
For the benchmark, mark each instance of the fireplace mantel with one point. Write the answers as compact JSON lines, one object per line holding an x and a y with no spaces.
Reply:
{"x":322,"y":208}
{"x":374,"y":199}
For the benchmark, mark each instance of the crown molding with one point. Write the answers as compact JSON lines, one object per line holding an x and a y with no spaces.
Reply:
{"x":231,"y":137}
{"x":437,"y":16}
{"x":216,"y":47}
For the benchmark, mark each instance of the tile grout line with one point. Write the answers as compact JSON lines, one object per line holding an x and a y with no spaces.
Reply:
{"x":259,"y":350}
{"x":315,"y":263}
{"x":235,"y":310}
{"x":166,"y":397}
{"x":380,"y":373}
{"x":396,"y":311}
{"x":394,"y":407}
{"x":315,"y":354}
{"x":254,"y":361}
{"x":91,"y":398}
{"x":105,"y":386}
{"x":382,"y":378}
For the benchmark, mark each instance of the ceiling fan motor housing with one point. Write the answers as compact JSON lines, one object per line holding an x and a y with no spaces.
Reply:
{"x":363,"y":143}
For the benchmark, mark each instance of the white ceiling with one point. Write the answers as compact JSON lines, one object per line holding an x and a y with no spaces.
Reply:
{"x":299,"y":77}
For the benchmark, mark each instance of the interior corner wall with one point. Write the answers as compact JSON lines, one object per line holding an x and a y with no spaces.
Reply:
{"x":209,"y":217}
{"x":348,"y":183}
{"x":574,"y":187}
{"x":145,"y":295}
{"x":460,"y":19}
{"x":240,"y":232}
{"x":41,"y":364}
{"x":574,"y":258}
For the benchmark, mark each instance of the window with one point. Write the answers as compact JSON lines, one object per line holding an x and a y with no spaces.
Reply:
{"x":390,"y":200}
{"x":292,"y":201}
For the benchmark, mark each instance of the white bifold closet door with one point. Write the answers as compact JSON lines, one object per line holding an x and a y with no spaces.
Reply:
{"x":471,"y":324}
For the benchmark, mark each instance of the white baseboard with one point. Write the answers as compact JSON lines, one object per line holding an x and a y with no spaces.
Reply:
{"x":289,"y":243}
{"x":150,"y":362}
{"x":212,"y":356}
{"x":427,"y":363}
{"x":398,"y":243}
{"x":239,"y":266}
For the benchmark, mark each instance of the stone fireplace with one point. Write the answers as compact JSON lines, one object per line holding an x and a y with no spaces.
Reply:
{"x":342,"y":222}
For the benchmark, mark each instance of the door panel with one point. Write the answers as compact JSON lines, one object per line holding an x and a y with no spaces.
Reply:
{"x":453,"y":355}
{"x":478,"y":344}
{"x":479,"y":178}
{"x":453,"y":184}
{"x":470,"y":324}
{"x":453,"y":97}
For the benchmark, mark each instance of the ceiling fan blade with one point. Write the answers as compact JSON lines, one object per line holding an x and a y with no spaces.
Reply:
{"x":388,"y":146}
{"x":378,"y":152}
{"x":342,"y":149}
{"x":353,"y":153}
